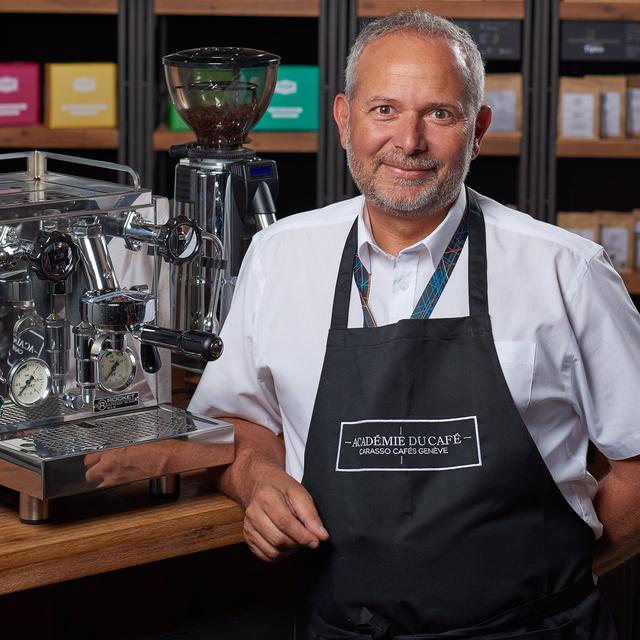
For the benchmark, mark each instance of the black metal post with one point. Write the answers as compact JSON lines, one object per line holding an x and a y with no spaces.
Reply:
{"x":529,"y":111}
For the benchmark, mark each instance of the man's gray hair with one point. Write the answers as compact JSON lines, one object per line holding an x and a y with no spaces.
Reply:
{"x":427,"y":25}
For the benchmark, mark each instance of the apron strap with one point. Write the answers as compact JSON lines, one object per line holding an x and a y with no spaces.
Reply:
{"x":349,"y":263}
{"x":342,"y":295}
{"x":478,"y":302}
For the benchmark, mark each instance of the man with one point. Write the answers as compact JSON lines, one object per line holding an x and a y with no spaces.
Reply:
{"x":435,"y":364}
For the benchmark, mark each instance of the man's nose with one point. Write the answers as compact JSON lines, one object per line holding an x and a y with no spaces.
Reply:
{"x":410,"y":135}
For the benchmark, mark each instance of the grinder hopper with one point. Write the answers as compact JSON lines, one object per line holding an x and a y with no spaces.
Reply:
{"x":221,"y":92}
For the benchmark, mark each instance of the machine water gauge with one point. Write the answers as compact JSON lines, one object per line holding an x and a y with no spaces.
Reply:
{"x":29,"y":382}
{"x":116,"y":369}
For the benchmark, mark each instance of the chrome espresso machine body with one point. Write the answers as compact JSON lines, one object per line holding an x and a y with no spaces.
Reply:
{"x":221,"y":93}
{"x":86,"y":273}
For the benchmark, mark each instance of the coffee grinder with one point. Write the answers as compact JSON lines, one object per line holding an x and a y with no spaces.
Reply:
{"x":229,"y":192}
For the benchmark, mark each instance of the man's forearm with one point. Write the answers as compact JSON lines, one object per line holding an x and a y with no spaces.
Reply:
{"x":617,"y":504}
{"x":257,"y":449}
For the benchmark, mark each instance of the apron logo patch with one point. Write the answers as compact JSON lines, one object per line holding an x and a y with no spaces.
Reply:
{"x":409,"y":445}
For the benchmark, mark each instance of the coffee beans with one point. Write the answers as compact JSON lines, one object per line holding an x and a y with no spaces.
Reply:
{"x":220,"y":126}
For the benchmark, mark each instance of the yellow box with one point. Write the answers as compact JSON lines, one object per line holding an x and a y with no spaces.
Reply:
{"x":81,"y":95}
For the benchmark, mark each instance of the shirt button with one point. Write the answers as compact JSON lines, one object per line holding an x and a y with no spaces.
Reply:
{"x":403,"y":286}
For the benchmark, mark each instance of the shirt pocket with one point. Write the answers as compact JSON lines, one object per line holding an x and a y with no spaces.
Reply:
{"x":517,"y":360}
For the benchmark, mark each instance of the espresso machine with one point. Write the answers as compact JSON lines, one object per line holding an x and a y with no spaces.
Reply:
{"x":86,"y":273}
{"x":229,"y":192}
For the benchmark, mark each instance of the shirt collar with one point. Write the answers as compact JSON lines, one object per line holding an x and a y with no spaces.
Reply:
{"x":435,"y":243}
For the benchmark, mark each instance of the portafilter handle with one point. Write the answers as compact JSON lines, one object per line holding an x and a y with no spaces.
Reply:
{"x":194,"y":344}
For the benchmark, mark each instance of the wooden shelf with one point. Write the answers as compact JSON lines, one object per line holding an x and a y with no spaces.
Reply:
{"x":307,"y":142}
{"x":40,"y":137}
{"x":632,"y":282}
{"x":487,"y":9}
{"x":270,"y":141}
{"x":268,"y":8}
{"x":113,"y":529}
{"x":624,"y":148}
{"x":501,"y":144}
{"x":60,"y":6}
{"x":599,"y":11}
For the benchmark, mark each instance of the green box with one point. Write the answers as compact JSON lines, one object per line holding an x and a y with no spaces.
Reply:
{"x":295,"y":105}
{"x":175,"y":121}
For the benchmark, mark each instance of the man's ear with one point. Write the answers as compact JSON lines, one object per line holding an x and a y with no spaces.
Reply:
{"x":483,"y":120}
{"x":341,"y":115}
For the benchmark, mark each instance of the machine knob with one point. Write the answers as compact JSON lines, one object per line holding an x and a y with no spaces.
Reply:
{"x":202,"y":344}
{"x":178,"y":151}
{"x":180,"y":240}
{"x":54,"y":256}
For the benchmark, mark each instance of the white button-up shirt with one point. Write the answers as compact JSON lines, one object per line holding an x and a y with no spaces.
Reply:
{"x":566,"y":332}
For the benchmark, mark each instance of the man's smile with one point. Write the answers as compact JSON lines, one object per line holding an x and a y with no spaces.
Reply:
{"x":406,"y":172}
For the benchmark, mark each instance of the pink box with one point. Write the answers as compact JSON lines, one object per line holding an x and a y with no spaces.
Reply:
{"x":19,"y":93}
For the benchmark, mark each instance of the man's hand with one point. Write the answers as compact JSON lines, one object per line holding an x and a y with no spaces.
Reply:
{"x":617,"y":504}
{"x":281,"y":516}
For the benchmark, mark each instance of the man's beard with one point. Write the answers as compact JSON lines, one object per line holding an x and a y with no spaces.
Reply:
{"x":438,"y":192}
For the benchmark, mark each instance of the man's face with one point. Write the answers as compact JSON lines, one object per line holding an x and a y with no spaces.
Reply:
{"x":409,"y":131}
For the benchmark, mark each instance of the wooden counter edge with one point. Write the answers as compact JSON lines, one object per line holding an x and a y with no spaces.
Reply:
{"x":208,"y":524}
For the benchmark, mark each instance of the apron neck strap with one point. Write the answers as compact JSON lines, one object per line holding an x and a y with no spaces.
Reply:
{"x":478,"y":301}
{"x":477,"y":267}
{"x":342,"y":295}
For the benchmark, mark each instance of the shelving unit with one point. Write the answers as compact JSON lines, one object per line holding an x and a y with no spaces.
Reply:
{"x":587,"y":156}
{"x":88,"y":7}
{"x":501,"y":144}
{"x":599,"y":11}
{"x":264,"y":8}
{"x":623,"y":148}
{"x":71,"y":21}
{"x":41,"y":137}
{"x":264,"y":141}
{"x":298,"y":152}
{"x":486,"y":10}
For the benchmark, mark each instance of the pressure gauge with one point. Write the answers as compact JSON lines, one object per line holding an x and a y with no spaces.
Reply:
{"x":116,"y":369}
{"x":29,"y":382}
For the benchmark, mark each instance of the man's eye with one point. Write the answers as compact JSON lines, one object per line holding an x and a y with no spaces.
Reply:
{"x":441,"y":114}
{"x":384,"y":110}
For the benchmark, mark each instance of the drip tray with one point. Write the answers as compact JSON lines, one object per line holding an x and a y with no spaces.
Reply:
{"x":49,"y":462}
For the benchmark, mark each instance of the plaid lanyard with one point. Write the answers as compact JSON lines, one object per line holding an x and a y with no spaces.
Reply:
{"x":435,"y":286}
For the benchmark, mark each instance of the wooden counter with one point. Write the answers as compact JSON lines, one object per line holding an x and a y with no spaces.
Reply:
{"x":112,"y":529}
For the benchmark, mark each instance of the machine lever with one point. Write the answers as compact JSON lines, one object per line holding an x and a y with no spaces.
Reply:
{"x":196,"y":344}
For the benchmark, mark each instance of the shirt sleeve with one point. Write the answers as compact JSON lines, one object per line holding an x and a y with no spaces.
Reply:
{"x":606,"y":371}
{"x":234,"y":385}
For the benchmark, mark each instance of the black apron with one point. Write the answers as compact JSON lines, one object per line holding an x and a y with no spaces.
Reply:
{"x":444,"y":519}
